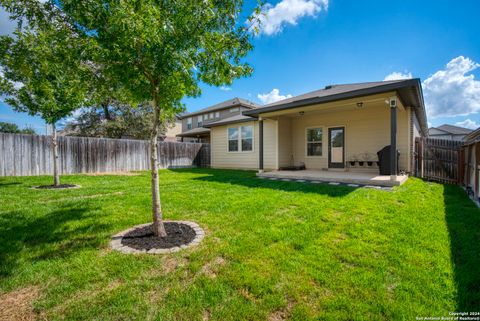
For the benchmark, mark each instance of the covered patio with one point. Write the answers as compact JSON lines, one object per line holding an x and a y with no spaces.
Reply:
{"x":345,"y":177}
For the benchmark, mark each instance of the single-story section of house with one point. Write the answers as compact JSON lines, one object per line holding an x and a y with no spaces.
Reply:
{"x":337,"y":128}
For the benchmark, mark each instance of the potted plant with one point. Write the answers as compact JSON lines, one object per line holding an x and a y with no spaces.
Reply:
{"x":353,"y":160}
{"x":369,"y":159}
{"x":361,"y":160}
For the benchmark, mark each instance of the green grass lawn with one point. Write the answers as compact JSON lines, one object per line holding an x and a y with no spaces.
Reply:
{"x":273,"y":250}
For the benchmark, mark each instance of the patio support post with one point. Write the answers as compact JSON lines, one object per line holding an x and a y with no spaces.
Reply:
{"x":393,"y":139}
{"x":260,"y":148}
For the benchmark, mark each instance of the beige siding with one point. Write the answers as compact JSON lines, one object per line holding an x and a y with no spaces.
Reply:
{"x":270,"y":155}
{"x":174,"y":129}
{"x":222,"y":158}
{"x":285,"y":140}
{"x":367,"y":130}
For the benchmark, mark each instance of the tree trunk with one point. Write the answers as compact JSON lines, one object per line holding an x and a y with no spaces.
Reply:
{"x":56,"y":177}
{"x":105,"y":110}
{"x":158,"y":227}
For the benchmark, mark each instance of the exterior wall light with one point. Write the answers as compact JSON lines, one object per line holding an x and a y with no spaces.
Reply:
{"x":360,"y":104}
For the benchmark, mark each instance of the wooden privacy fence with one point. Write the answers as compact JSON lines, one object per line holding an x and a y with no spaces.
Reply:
{"x":439,"y":160}
{"x":25,"y":155}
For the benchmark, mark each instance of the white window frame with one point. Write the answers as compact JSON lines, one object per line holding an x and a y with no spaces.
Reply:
{"x":199,"y":120}
{"x":228,"y":140}
{"x":217,"y":114}
{"x":189,"y":123}
{"x":239,"y":139}
{"x":211,"y":115}
{"x":323,"y":142}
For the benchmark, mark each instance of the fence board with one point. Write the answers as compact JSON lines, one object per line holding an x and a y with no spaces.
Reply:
{"x":438,"y":159}
{"x":25,"y":155}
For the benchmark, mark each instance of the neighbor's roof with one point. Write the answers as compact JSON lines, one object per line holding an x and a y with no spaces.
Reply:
{"x":454,"y":130}
{"x":409,"y":91}
{"x":230,"y":120}
{"x":472,"y":137}
{"x":199,"y":131}
{"x":225,"y":104}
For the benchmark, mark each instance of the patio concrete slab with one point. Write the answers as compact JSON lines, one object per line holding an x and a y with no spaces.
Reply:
{"x":350,"y":177}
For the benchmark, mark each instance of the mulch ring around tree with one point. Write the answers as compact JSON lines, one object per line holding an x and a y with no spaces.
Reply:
{"x":57,"y":187}
{"x":141,"y":239}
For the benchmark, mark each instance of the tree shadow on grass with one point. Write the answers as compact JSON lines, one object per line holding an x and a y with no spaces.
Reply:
{"x":4,"y":184}
{"x":463,"y":220}
{"x":249,"y":179}
{"x":57,"y":234}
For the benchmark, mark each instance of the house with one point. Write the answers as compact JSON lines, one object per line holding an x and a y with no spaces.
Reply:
{"x":332,"y":133}
{"x":471,"y":165}
{"x":450,"y":132}
{"x":194,"y":125}
{"x":172,"y":130}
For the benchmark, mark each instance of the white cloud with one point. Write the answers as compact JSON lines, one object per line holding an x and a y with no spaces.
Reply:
{"x":225,"y":88}
{"x":468,"y":123}
{"x":398,"y":75}
{"x":272,"y":96}
{"x":453,"y":91}
{"x":273,"y":18}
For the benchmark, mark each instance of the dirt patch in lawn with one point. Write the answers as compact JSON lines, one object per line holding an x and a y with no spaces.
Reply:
{"x":282,"y":314}
{"x":213,"y":267}
{"x":142,"y":238}
{"x":18,"y":305}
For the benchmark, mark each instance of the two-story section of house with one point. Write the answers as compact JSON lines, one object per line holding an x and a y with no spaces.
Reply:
{"x":193,"y":123}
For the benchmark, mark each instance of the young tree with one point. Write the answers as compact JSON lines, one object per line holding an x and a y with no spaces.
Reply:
{"x":160,"y":50}
{"x":43,"y":75}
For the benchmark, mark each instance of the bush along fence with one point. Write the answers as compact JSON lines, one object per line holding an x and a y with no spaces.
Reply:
{"x":26,"y":155}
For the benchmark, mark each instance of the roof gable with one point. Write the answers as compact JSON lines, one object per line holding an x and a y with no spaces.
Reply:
{"x":223,"y":105}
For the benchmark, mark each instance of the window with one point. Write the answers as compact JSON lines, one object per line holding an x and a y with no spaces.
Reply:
{"x":211,"y":115}
{"x":217,"y":114}
{"x":234,"y":109}
{"x":247,"y":138}
{"x":314,"y":142}
{"x":200,"y":121}
{"x":240,"y":139}
{"x":189,"y":123}
{"x":233,"y":139}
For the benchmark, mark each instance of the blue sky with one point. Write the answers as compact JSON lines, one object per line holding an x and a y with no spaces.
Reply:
{"x":307,"y":44}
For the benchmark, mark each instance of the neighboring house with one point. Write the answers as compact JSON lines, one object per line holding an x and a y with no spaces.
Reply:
{"x":471,"y":165}
{"x":194,"y":124}
{"x":172,"y":131}
{"x":324,"y":129}
{"x":448,"y":132}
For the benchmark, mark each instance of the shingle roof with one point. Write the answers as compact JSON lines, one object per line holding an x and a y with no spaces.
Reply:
{"x":194,"y":132}
{"x":333,"y":90}
{"x":409,"y":91}
{"x":230,"y":120}
{"x":454,"y":130}
{"x":225,"y":104}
